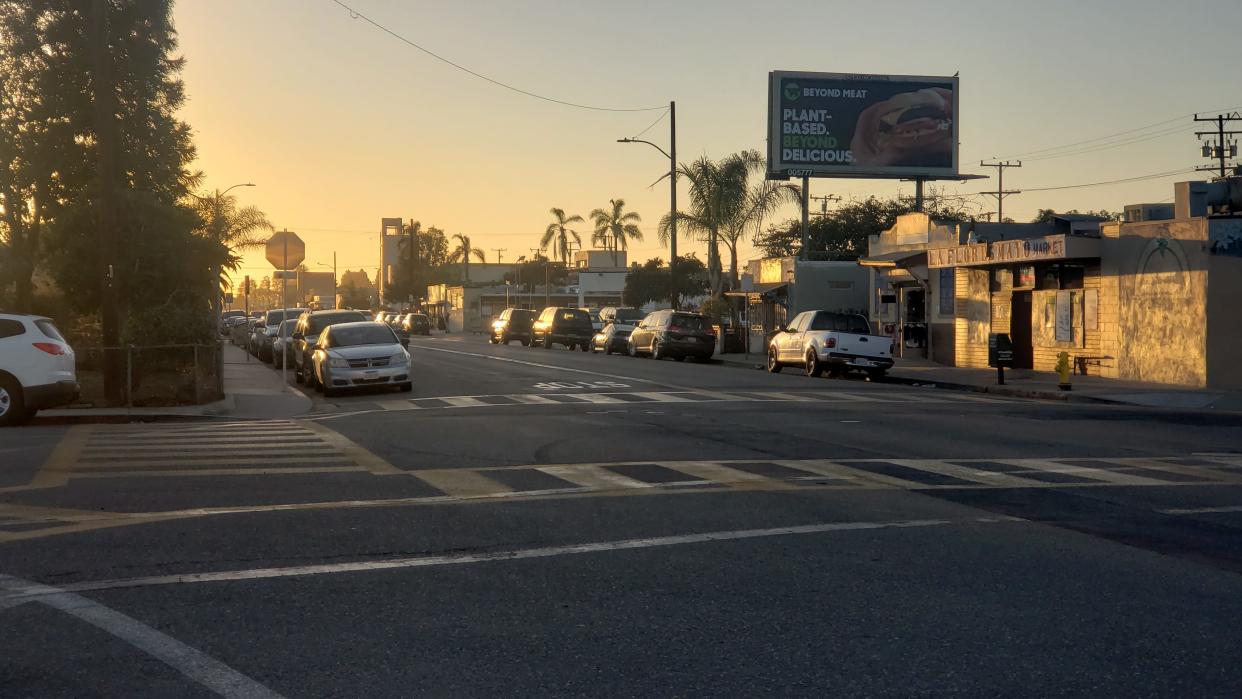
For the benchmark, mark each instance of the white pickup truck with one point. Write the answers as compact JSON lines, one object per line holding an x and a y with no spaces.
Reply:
{"x":837,"y":343}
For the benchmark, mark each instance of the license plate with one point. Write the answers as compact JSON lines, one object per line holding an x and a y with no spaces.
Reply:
{"x":863,"y":362}
{"x":371,"y":373}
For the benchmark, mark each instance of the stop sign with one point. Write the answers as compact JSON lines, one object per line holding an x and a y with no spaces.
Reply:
{"x":281,"y":242}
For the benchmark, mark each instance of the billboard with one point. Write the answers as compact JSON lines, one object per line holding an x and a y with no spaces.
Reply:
{"x":875,"y":126}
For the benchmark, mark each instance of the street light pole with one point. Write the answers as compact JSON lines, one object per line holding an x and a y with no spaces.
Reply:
{"x":216,"y":300}
{"x":671,"y":154}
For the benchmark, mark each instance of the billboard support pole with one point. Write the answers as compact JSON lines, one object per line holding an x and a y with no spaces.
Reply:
{"x":918,"y":194}
{"x":805,"y":252}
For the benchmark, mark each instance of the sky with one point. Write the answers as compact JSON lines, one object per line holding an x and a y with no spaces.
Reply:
{"x":340,"y":124}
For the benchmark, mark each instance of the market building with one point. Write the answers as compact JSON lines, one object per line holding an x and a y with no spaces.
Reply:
{"x":1154,"y":297}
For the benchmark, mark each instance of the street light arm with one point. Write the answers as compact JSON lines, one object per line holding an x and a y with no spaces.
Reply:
{"x":639,"y":140}
{"x":243,"y":184}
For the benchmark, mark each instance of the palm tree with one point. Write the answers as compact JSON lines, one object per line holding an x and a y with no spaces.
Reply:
{"x":236,"y":228}
{"x":463,"y":252}
{"x":614,"y":229}
{"x":723,"y":205}
{"x":558,"y":234}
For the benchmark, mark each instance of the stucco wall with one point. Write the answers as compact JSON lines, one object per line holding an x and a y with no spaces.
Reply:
{"x":974,"y":316}
{"x":1162,"y":286}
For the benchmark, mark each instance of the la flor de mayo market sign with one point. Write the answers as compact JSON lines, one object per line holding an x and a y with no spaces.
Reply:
{"x":1052,"y":247}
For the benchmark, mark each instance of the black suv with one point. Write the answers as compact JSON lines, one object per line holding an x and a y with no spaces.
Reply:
{"x":306,"y":335}
{"x":675,"y":334}
{"x":415,"y":324}
{"x":513,"y":324}
{"x":567,"y":326}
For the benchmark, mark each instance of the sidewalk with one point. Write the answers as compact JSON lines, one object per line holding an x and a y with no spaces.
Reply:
{"x":252,"y":390}
{"x":1025,"y":383}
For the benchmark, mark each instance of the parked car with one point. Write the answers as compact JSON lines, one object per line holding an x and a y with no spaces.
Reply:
{"x":597,"y":324}
{"x":224,"y":320}
{"x":306,"y":335}
{"x":513,"y":324}
{"x":675,"y":334}
{"x":614,"y":337}
{"x":416,"y":324}
{"x":566,"y":326}
{"x":621,"y":314}
{"x":240,"y":333}
{"x":230,"y":327}
{"x":822,"y":341}
{"x":37,"y":367}
{"x":353,"y":355}
{"x":265,"y":334}
{"x":282,"y":345}
{"x":254,"y":335}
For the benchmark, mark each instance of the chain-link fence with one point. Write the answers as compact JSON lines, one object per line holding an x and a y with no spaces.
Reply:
{"x":161,"y":375}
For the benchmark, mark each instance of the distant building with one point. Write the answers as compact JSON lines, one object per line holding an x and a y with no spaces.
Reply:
{"x":390,"y":253}
{"x":599,"y":277}
{"x":778,"y":288}
{"x":1151,"y":298}
{"x":317,"y":288}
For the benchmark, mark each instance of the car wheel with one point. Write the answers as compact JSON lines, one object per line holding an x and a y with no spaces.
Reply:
{"x":876,"y":374}
{"x":608,"y":348}
{"x":679,"y":358}
{"x":774,"y":366}
{"x":582,"y":346}
{"x":407,"y":387}
{"x":12,"y":407}
{"x":657,"y":352}
{"x":813,"y":366}
{"x":298,"y":377}
{"x":547,"y":343}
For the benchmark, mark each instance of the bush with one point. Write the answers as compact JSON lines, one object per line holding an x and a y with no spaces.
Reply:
{"x":185,"y":319}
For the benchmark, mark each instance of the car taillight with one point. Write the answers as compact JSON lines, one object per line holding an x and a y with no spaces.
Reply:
{"x":832,"y":342}
{"x":50,"y":347}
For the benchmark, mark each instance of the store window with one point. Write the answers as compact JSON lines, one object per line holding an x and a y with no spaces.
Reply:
{"x":1059,"y":276}
{"x":948,"y":282}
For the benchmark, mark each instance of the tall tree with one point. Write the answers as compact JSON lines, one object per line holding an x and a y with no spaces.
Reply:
{"x":649,"y":281}
{"x":615,"y":227}
{"x":432,"y":256}
{"x":558,"y":234}
{"x":237,"y":228}
{"x":463,"y":252}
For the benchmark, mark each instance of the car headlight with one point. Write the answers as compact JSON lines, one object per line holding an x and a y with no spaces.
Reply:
{"x":399,"y":359}
{"x":338,"y":362}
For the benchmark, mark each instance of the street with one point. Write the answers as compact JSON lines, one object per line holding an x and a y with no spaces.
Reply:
{"x":534,"y":522}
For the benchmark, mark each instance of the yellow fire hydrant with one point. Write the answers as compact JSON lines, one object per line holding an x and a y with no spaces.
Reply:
{"x":1063,"y":368}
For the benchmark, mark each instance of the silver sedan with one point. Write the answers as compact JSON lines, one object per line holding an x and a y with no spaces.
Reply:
{"x":360,"y":354}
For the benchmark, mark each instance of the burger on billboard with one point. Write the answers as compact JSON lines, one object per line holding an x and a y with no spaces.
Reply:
{"x":879,"y":126}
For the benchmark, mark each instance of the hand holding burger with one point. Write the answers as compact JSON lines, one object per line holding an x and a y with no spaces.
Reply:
{"x":911,"y":129}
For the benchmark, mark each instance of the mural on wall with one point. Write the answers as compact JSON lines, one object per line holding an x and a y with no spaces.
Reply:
{"x":1225,"y":238}
{"x":1163,"y":311}
{"x":979,"y":307}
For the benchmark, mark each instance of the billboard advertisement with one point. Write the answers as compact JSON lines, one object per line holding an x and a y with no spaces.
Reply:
{"x":875,"y":126}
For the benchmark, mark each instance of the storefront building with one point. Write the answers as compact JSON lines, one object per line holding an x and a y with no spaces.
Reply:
{"x":1154,"y":298}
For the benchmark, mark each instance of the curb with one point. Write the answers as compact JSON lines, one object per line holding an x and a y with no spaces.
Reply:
{"x":1065,"y":397}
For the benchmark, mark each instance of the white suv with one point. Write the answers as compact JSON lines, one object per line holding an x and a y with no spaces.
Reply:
{"x":36,"y":367}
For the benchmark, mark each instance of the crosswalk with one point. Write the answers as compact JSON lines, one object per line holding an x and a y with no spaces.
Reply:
{"x":615,"y":398}
{"x":219,"y":449}
{"x":785,"y":474}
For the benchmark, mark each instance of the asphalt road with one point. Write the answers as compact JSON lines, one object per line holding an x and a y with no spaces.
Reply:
{"x":546,"y":522}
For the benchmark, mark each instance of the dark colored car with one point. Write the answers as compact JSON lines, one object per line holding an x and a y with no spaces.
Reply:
{"x":265,"y":332}
{"x":415,"y":324}
{"x":621,"y":314}
{"x":675,"y":334}
{"x":306,"y":336}
{"x":613,"y":338}
{"x":565,"y":326}
{"x":513,"y":324}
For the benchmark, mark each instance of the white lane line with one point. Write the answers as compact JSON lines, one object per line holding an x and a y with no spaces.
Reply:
{"x":463,"y":402}
{"x":532,"y":399}
{"x":194,"y":664}
{"x":594,"y":477}
{"x":1200,"y":510}
{"x":536,"y":364}
{"x":518,"y":554}
{"x":657,"y":397}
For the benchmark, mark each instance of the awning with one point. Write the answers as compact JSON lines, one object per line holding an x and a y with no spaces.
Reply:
{"x":758,"y":289}
{"x":897,"y":258}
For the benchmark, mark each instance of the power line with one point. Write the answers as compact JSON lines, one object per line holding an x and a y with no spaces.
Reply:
{"x":649,"y":126}
{"x":354,"y":14}
{"x":1001,"y":192}
{"x":1116,"y":144}
{"x":1140,"y":178}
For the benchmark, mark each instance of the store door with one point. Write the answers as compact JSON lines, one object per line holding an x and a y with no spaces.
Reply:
{"x":1020,"y":330}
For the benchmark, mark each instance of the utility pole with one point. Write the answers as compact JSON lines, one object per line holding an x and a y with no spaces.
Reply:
{"x":672,"y":186}
{"x":823,"y":203}
{"x":105,"y":108}
{"x":498,"y":251}
{"x":1001,"y":192}
{"x":1224,"y":148}
{"x":413,"y":259}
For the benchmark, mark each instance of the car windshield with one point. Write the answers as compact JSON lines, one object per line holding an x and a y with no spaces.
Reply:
{"x":318,"y":323}
{"x":362,"y":335}
{"x":275,"y":317}
{"x":690,"y":322}
{"x":628,"y":315}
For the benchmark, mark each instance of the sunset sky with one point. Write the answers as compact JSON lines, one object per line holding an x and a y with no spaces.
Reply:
{"x":340,"y":124}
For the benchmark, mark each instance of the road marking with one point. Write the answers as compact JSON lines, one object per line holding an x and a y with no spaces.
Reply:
{"x":460,"y":482}
{"x":515,"y":554}
{"x":1200,"y":510}
{"x":662,"y":397}
{"x":55,"y":471}
{"x":352,"y":451}
{"x":202,"y":461}
{"x":541,"y":366}
{"x":594,"y":397}
{"x":710,"y":471}
{"x":594,"y":477}
{"x":192,"y":663}
{"x":966,"y":473}
{"x":398,"y":405}
{"x":1092,"y":473}
{"x":773,"y":395}
{"x":260,"y":471}
{"x":532,"y":399}
{"x":464,"y":402}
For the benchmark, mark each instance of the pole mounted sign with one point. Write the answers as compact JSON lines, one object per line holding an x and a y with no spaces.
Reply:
{"x":285,"y":250}
{"x":872,"y":126}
